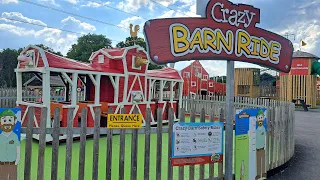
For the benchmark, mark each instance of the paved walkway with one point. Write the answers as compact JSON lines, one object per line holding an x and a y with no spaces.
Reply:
{"x":306,"y":164}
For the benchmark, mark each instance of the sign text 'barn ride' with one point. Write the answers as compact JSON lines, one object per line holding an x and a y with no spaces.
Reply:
{"x":228,"y":32}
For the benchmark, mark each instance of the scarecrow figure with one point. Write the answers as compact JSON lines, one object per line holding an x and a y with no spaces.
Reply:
{"x":9,"y":146}
{"x":260,"y":145}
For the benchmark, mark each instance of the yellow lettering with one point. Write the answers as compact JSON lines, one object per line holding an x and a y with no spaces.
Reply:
{"x":197,"y":40}
{"x":274,"y":51}
{"x":178,"y":40}
{"x":207,"y":41}
{"x":255,"y":42}
{"x":243,"y":45}
{"x":266,"y":45}
{"x":221,"y":38}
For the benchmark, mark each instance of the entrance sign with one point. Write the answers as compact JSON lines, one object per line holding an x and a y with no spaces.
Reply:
{"x":127,"y":121}
{"x":228,"y":32}
{"x":197,"y":143}
{"x":251,"y":133}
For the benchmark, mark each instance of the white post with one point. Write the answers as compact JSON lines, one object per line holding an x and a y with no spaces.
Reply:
{"x":46,"y":94}
{"x":171,"y":91}
{"x":161,"y":91}
{"x":150,"y":89}
{"x":19,"y":86}
{"x":97,"y":90}
{"x":74,"y":89}
{"x":116,"y":90}
{"x":180,"y":94}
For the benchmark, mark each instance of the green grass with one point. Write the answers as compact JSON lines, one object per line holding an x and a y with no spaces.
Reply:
{"x":102,"y":159}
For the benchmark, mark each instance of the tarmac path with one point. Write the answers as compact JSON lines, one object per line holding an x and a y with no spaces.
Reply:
{"x":306,"y":163}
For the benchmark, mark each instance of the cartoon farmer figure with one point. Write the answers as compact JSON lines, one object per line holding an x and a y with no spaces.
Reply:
{"x":9,"y":146}
{"x":260,"y":145}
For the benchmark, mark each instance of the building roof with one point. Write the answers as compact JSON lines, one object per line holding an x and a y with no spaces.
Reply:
{"x":301,"y":54}
{"x":56,"y":61}
{"x":167,"y":73}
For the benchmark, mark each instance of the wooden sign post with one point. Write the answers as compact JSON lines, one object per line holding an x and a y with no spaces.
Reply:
{"x":225,"y":31}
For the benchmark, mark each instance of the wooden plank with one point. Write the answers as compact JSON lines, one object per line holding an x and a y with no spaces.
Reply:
{"x":134,"y":150}
{"x":55,"y":144}
{"x":211,"y":166}
{"x":122,"y":149}
{"x":42,"y":143}
{"x":181,"y":168}
{"x":171,"y":121}
{"x":109,"y":150}
{"x":28,"y":152}
{"x":96,"y":136}
{"x":159,"y":144}
{"x":147,"y":146}
{"x":202,"y":119}
{"x":69,"y":145}
{"x":191,"y":168}
{"x":83,"y":134}
{"x":220,"y":164}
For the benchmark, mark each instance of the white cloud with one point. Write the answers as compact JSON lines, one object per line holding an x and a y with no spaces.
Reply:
{"x":74,"y":23}
{"x":72,"y":1}
{"x":19,"y":16}
{"x":9,"y":1}
{"x":1,"y":50}
{"x":135,"y":5}
{"x":95,"y":4}
{"x":51,"y":2}
{"x":20,"y":31}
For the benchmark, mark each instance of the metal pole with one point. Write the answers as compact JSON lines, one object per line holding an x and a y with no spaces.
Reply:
{"x":229,"y":120}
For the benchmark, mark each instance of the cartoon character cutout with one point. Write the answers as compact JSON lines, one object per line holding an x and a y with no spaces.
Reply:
{"x":9,"y":145}
{"x":260,"y":145}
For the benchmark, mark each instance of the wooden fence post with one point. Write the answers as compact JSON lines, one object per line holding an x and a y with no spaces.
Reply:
{"x":28,"y":153}
{"x":55,"y":144}
{"x":109,"y":150}
{"x":147,"y":146}
{"x":96,"y":136}
{"x":83,"y":134}
{"x":42,"y":143}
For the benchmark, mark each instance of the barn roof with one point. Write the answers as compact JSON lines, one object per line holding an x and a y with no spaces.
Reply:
{"x":168,"y":73}
{"x":56,"y":61}
{"x":301,"y":54}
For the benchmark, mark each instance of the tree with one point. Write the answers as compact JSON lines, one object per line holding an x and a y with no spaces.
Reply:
{"x":46,"y":48}
{"x":267,"y":79}
{"x":131,"y":41}
{"x":87,"y":44}
{"x":8,"y":62}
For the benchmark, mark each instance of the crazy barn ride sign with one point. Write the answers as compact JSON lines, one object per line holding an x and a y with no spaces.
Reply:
{"x":228,"y":32}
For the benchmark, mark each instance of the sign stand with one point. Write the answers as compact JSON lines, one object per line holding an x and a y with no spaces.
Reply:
{"x":229,"y":122}
{"x":201,"y":10}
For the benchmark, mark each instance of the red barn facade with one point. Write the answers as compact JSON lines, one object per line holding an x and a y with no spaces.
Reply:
{"x":197,"y":81}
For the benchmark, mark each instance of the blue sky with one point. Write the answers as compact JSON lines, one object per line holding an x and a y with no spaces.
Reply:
{"x":299,"y":17}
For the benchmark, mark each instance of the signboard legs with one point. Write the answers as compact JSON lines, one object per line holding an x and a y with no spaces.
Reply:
{"x":229,"y":120}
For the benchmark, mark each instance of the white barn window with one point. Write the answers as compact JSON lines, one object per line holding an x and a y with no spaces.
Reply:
{"x":101,"y":59}
{"x":205,"y":76}
{"x":186,"y":74}
{"x":193,"y":83}
{"x":210,"y":84}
